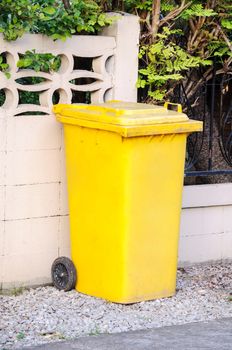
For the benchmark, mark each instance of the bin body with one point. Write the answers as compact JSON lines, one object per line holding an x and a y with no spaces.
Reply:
{"x":125,"y":201}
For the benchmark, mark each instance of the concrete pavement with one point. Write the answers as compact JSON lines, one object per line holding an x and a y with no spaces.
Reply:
{"x":213,"y":335}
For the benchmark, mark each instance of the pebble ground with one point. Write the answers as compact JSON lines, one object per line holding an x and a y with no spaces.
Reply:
{"x":41,"y":315}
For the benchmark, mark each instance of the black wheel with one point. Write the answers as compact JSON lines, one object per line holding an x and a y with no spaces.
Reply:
{"x":64,"y":274}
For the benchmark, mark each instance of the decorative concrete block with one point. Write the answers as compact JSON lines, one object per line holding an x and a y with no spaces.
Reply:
{"x":125,"y":63}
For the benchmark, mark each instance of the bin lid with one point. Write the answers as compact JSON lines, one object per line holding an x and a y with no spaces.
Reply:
{"x":127,"y":118}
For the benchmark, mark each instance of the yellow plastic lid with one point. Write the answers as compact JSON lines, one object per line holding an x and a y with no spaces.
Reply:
{"x":126,"y":118}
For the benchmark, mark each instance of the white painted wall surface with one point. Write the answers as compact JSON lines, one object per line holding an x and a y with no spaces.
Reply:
{"x":34,"y":223}
{"x":206,"y":224}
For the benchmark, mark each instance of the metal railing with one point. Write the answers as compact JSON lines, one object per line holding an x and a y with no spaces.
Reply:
{"x":209,"y":153}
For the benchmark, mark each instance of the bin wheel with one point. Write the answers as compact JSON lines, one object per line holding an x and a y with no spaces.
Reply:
{"x":64,"y":274}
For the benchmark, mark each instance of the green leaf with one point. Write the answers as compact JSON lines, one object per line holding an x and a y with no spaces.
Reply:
{"x":49,"y":10}
{"x":141,"y":83}
{"x":226,"y":23}
{"x":197,"y":10}
{"x":26,"y":62}
{"x":157,"y":94}
{"x":207,"y":62}
{"x":4,"y":66}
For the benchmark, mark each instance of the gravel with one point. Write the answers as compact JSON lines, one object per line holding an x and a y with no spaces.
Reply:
{"x":44,"y":314}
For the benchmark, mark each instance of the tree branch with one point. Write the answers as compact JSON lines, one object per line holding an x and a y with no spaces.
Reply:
{"x":192,"y":26}
{"x":66,"y":4}
{"x":155,"y":18}
{"x":206,"y":77}
{"x":174,"y":13}
{"x":226,"y":39}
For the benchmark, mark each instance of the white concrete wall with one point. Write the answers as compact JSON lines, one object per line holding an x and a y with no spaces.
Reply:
{"x":33,"y":214}
{"x":126,"y":58}
{"x":206,"y":224}
{"x":34,"y":225}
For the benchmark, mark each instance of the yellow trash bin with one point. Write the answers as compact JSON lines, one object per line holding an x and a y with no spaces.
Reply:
{"x":125,"y":166}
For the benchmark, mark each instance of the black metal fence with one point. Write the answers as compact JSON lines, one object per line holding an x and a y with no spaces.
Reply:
{"x":209,"y":154}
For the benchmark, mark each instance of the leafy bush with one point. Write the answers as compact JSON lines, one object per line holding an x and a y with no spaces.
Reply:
{"x":178,"y":38}
{"x":56,"y":18}
{"x":40,"y":62}
{"x":165,"y":62}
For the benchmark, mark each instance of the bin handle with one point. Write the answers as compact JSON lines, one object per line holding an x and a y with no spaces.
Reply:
{"x":178,"y":105}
